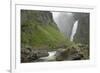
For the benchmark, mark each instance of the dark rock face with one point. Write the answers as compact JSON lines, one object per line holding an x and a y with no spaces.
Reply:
{"x":82,"y":34}
{"x":68,"y":54}
{"x":43,"y":17}
{"x":29,"y":55}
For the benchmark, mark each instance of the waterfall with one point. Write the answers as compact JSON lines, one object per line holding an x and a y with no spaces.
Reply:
{"x":64,"y":21}
{"x":74,"y":30}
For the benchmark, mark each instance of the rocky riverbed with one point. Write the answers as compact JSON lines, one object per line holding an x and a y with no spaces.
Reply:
{"x":61,"y":54}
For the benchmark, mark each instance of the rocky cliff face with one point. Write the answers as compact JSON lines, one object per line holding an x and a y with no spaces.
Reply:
{"x":82,"y":34}
{"x":43,"y":17}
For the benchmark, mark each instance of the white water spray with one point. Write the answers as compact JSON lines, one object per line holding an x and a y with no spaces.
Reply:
{"x":50,"y":57}
{"x":74,"y":30}
{"x":64,"y":22}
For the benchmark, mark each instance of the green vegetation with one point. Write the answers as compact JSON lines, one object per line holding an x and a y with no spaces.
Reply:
{"x":38,"y":30}
{"x":40,"y":35}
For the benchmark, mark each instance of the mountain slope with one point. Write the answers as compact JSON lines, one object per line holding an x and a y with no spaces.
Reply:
{"x":38,"y":30}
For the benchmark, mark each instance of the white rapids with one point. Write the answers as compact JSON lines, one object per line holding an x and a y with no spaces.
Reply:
{"x":51,"y":56}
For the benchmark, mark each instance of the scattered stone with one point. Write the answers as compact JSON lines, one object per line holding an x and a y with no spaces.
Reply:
{"x":68,"y":54}
{"x":29,"y":55}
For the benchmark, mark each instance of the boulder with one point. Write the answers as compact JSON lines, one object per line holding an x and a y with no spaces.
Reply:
{"x":42,"y":53}
{"x":68,"y":54}
{"x":29,"y":55}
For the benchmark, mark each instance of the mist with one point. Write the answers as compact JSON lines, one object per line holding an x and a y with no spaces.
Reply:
{"x":65,"y":22}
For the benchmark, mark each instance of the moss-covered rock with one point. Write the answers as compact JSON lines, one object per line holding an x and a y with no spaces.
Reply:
{"x":30,"y":55}
{"x":74,"y":52}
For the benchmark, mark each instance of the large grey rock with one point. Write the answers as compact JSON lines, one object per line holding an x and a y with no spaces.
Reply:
{"x":29,"y":55}
{"x":68,"y":54}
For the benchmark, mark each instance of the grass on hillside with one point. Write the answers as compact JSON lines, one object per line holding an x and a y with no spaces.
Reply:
{"x":44,"y":36}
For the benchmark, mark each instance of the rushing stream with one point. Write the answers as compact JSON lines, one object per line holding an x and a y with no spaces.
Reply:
{"x":51,"y":56}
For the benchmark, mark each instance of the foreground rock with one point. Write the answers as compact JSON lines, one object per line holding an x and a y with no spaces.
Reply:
{"x":29,"y":55}
{"x":75,"y":52}
{"x":68,"y":54}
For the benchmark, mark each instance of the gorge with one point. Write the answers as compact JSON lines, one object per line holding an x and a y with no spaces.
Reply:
{"x":54,"y":36}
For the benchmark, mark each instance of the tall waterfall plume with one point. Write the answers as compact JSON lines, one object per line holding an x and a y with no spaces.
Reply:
{"x":74,"y":30}
{"x":64,"y":21}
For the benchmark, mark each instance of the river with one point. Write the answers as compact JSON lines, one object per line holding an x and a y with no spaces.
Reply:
{"x":50,"y":57}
